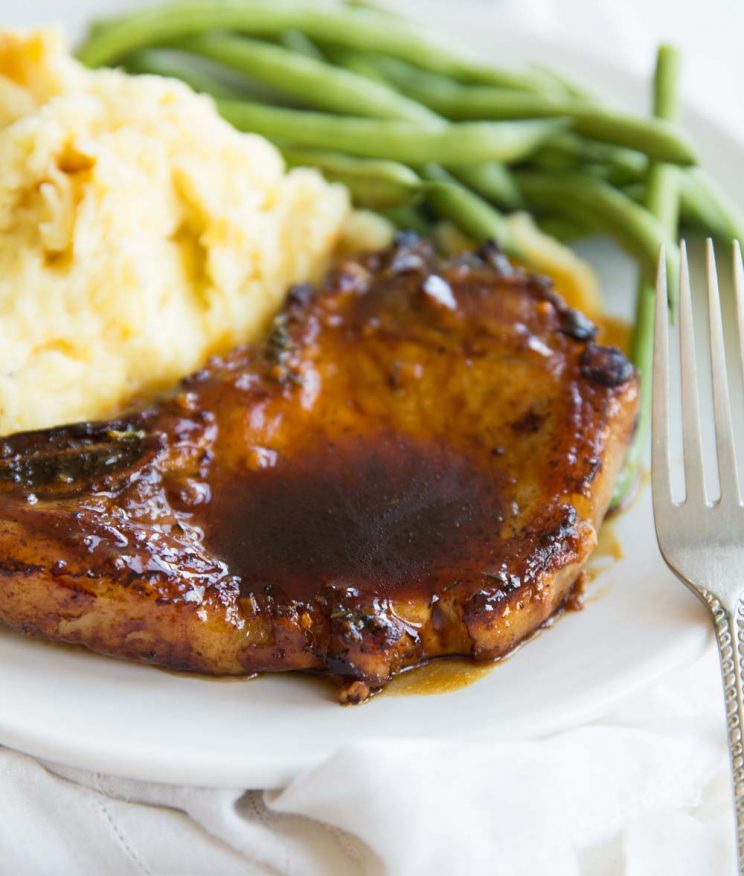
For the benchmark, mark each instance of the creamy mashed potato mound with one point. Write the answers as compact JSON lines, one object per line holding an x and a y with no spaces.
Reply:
{"x":139,"y":233}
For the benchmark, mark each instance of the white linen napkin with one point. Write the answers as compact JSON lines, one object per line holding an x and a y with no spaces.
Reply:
{"x":641,"y":792}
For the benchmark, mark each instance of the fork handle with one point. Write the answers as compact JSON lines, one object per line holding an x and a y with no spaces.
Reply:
{"x":729,"y":621}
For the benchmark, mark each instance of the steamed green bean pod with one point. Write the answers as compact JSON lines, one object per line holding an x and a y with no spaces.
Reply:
{"x":374,"y":184}
{"x":566,"y":84}
{"x":298,"y":42}
{"x":620,"y":174}
{"x":662,"y":183}
{"x":409,"y":219}
{"x":584,"y":198}
{"x":635,"y":191}
{"x":492,"y":181}
{"x":653,"y":137}
{"x":564,"y":229}
{"x":362,"y":63}
{"x":165,"y":62}
{"x":315,"y":82}
{"x":477,"y":219}
{"x":567,"y":151}
{"x":345,"y":26}
{"x":580,"y":151}
{"x":705,"y":205}
{"x":395,"y":140}
{"x":662,"y":202}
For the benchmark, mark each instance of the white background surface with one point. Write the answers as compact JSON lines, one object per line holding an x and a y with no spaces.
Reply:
{"x":642,"y":791}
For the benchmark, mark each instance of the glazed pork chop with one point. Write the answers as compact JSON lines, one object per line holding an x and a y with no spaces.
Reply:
{"x":413,"y":464}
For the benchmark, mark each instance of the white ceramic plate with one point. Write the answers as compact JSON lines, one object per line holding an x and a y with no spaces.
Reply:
{"x":77,"y":708}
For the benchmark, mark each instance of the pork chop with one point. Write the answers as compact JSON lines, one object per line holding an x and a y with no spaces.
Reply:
{"x":414,"y":464}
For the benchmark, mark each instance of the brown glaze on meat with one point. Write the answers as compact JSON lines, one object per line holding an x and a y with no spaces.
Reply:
{"x":414,"y":464}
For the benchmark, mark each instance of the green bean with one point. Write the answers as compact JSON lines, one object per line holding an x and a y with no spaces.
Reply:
{"x":584,"y":198}
{"x":552,"y":159}
{"x":662,"y":201}
{"x":399,"y":141}
{"x":374,"y":184}
{"x":566,"y":84}
{"x":472,"y":215}
{"x":357,"y":28}
{"x":357,"y":62}
{"x":619,"y":173}
{"x":315,"y":82}
{"x":662,"y":192}
{"x":298,"y":42}
{"x":409,"y":219}
{"x":564,"y":229}
{"x":442,"y":93}
{"x":705,"y":204}
{"x":653,"y":137}
{"x":491,"y":181}
{"x":568,"y":152}
{"x":666,"y":83}
{"x":569,"y":146}
{"x":164,"y":62}
{"x":635,"y":191}
{"x":548,"y":82}
{"x":376,"y":7}
{"x":656,"y":139}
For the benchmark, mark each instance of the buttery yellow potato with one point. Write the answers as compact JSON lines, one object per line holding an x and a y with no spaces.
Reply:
{"x":139,"y":233}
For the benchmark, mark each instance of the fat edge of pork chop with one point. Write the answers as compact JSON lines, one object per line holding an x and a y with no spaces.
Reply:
{"x":414,"y":464}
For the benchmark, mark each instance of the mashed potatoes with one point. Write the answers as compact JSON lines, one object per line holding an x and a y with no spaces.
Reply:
{"x":138,"y":234}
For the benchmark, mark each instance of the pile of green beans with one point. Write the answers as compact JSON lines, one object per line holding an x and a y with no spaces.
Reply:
{"x":391,"y":139}
{"x":421,"y":131}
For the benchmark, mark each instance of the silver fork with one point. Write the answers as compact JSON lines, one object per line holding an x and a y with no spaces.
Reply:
{"x":702,"y":541}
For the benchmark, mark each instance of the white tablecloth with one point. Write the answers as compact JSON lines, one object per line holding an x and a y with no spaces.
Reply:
{"x":643,"y":791}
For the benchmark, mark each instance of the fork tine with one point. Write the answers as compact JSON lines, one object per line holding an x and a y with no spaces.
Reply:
{"x":727,"y":469}
{"x":739,"y":293}
{"x":660,"y":467}
{"x":692,"y":443}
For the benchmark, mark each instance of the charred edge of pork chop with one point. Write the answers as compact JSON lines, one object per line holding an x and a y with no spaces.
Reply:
{"x":105,"y":528}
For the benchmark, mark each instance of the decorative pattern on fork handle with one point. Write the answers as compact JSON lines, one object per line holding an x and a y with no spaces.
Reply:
{"x":730,"y":635}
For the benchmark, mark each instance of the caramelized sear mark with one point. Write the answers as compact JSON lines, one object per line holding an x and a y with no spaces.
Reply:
{"x":78,"y":457}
